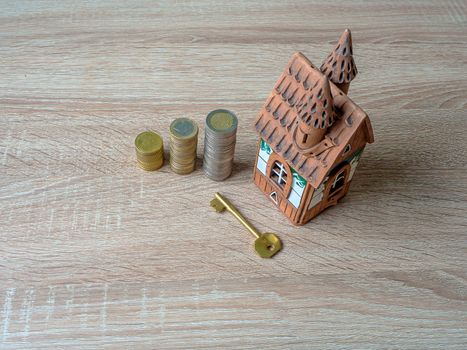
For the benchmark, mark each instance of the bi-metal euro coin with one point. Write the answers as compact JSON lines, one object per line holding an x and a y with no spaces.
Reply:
{"x":183,"y":145}
{"x":219,"y":144}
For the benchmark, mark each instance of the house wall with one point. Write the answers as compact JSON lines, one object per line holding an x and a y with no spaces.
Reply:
{"x":315,"y":204}
{"x":312,"y":201}
{"x":291,"y":205}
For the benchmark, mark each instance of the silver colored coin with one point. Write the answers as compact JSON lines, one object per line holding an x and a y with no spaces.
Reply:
{"x":220,"y":137}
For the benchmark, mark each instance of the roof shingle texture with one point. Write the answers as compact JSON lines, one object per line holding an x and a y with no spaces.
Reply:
{"x":278,"y":120}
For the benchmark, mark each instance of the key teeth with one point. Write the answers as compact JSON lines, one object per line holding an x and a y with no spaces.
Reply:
{"x":219,"y":207}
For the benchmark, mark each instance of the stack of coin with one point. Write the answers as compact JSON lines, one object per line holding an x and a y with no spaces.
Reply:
{"x":219,"y":144}
{"x":149,"y":150}
{"x":183,"y":143}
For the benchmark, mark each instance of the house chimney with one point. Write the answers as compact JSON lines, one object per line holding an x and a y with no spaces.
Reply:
{"x":315,"y":116}
{"x":339,"y":66}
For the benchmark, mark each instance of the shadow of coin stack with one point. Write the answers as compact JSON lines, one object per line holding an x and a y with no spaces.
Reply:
{"x":183,"y":144}
{"x":149,"y":150}
{"x":219,"y":144}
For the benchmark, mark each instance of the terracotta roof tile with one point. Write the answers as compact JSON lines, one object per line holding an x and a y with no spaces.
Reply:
{"x":278,"y":119}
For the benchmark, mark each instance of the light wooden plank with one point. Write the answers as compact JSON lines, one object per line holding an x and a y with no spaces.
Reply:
{"x":95,"y":253}
{"x":396,"y":309}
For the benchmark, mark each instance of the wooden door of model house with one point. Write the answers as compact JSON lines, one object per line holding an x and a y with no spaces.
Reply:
{"x":337,"y":185}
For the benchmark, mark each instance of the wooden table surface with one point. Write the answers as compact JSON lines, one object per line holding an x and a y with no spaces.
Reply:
{"x":96,"y":253}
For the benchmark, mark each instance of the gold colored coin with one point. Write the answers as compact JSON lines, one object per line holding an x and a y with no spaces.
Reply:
{"x":149,"y":148}
{"x":148,"y":142}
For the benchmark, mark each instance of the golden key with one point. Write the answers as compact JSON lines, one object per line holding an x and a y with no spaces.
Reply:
{"x":266,"y":244}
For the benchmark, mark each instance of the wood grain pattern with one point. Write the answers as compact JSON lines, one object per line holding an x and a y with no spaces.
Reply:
{"x":95,"y":253}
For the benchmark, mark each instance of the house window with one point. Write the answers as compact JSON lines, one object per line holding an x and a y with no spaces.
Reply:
{"x":279,"y":174}
{"x":273,"y":196}
{"x":338,"y":183}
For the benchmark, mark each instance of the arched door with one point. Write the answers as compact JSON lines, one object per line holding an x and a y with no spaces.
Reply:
{"x":337,"y":186}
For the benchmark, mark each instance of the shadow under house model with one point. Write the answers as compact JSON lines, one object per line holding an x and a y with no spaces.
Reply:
{"x":311,"y":135}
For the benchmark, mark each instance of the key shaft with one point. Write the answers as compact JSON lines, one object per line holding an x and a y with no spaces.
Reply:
{"x":231,"y":208}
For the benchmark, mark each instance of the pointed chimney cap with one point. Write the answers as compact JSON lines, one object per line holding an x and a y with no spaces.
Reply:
{"x":340,"y":66}
{"x":344,"y":45}
{"x":318,"y":113}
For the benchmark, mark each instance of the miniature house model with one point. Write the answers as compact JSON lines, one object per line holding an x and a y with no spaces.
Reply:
{"x":311,"y":135}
